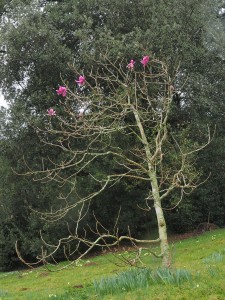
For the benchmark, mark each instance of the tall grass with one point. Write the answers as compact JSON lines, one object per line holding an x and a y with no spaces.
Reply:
{"x":3,"y":293}
{"x":140,"y":278}
{"x":215,"y":257}
{"x":212,"y":262}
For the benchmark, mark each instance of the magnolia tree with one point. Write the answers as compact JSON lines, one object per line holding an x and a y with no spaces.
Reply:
{"x":120,"y":111}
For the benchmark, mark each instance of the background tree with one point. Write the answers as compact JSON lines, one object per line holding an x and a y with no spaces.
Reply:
{"x":41,"y":37}
{"x":18,"y":194}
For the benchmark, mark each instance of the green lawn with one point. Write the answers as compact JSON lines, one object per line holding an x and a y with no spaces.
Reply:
{"x":203,"y":256}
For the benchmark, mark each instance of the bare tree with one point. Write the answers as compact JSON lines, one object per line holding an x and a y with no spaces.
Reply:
{"x":118,"y":102}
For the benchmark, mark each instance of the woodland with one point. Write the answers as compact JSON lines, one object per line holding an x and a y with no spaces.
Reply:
{"x":113,"y":106}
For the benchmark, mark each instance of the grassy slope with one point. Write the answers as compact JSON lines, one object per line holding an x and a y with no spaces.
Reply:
{"x":194,"y":254}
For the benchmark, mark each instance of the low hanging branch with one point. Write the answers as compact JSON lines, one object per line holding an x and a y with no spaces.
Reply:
{"x":133,"y":103}
{"x":106,"y":240}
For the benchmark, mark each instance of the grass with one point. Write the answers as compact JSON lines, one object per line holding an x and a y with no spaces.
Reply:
{"x":198,"y":273}
{"x":137,"y":278}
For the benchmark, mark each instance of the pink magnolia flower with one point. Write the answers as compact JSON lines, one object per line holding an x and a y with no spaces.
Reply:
{"x":61,"y":91}
{"x":81,"y":80}
{"x":145,"y":60}
{"x":131,"y":64}
{"x":51,"y":112}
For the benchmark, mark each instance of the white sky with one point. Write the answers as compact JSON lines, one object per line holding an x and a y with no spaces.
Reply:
{"x":2,"y":101}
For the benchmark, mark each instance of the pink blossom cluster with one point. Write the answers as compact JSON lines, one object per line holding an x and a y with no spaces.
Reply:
{"x":51,"y":112}
{"x":144,"y":62}
{"x":62,"y":91}
{"x":81,"y":81}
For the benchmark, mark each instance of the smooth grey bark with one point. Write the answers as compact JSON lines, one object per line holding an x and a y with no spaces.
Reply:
{"x":162,"y":229}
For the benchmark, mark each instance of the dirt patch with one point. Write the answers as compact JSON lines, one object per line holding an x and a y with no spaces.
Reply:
{"x":79,"y":286}
{"x":91,"y":263}
{"x":23,"y":289}
{"x":180,"y":237}
{"x":44,"y":274}
{"x":201,"y":228}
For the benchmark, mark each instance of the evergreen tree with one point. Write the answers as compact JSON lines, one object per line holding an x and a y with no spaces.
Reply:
{"x":42,"y":37}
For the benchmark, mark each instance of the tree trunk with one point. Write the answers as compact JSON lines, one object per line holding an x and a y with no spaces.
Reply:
{"x":162,"y":229}
{"x":165,"y":251}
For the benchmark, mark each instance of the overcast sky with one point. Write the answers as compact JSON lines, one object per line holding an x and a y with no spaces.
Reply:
{"x":2,"y":101}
